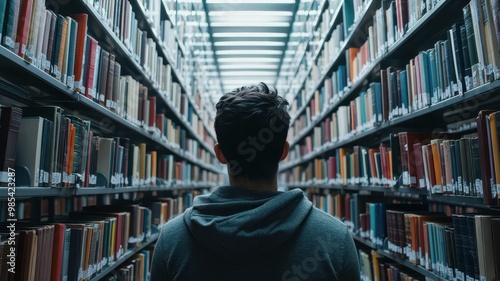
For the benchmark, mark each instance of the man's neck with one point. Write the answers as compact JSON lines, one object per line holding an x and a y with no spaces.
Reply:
{"x":259,"y":185}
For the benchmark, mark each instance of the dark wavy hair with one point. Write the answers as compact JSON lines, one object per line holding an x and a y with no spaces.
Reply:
{"x":252,"y":124}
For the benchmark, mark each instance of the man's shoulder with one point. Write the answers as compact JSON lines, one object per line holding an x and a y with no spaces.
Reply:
{"x":321,"y":221}
{"x":174,"y":228}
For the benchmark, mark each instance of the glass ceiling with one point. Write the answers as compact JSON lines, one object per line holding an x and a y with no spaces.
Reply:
{"x":249,"y":39}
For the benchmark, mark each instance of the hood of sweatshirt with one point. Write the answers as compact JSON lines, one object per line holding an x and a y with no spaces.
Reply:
{"x":235,"y":221}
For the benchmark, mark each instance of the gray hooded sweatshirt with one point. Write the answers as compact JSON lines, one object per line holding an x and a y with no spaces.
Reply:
{"x":239,"y":234}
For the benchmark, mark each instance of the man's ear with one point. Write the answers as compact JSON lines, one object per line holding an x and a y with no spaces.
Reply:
{"x":284,"y":154}
{"x":218,"y":153}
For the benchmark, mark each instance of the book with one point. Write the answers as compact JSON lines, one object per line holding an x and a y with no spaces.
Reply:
{"x":494,"y":123}
{"x":105,"y":158}
{"x":80,"y":43}
{"x":23,"y":26}
{"x":29,"y":147}
{"x":10,"y":122}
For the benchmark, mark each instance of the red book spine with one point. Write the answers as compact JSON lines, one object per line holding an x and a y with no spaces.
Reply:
{"x":119,"y":233}
{"x":159,"y":123}
{"x":383,"y":161}
{"x":81,"y":35}
{"x":152,"y":112}
{"x":23,"y":27}
{"x":419,"y":164}
{"x":332,"y":165}
{"x":89,"y":87}
{"x":178,"y":171}
{"x":58,"y":251}
{"x":430,"y":165}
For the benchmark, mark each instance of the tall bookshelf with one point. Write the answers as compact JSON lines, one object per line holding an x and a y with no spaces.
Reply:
{"x":168,"y":28}
{"x":331,"y":74}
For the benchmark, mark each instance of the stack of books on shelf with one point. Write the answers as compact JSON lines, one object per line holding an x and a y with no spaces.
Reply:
{"x":89,"y":241}
{"x":448,"y":246}
{"x":57,"y":149}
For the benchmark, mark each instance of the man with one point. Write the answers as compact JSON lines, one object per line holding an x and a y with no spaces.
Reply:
{"x":249,"y":230}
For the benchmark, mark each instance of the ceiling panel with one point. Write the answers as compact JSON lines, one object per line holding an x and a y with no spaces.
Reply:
{"x":249,"y":38}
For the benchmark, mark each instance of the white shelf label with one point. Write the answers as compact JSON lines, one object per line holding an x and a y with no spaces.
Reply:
{"x":93,"y":179}
{"x":56,"y":178}
{"x":70,"y":81}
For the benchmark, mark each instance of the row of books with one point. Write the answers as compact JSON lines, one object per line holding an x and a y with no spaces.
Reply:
{"x":61,"y":150}
{"x":80,"y":247}
{"x":64,"y":206}
{"x":326,"y":19}
{"x":450,"y":164}
{"x":444,"y":166}
{"x":374,"y":267}
{"x":349,"y":166}
{"x":360,"y":115}
{"x":460,"y":246}
{"x":134,"y":269}
{"x":464,"y":166}
{"x":432,"y":76}
{"x":87,"y":242}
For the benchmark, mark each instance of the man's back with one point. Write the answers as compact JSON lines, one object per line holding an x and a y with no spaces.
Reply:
{"x":240,"y":234}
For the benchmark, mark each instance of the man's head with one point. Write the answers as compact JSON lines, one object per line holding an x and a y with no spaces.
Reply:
{"x":251,"y":125}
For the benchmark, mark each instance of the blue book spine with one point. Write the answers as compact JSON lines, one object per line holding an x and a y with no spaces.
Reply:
{"x":434,"y":76}
{"x":343,"y":80}
{"x":424,"y":66}
{"x":404,"y":90}
{"x":378,"y":97}
{"x":348,"y":13}
{"x":3,"y":11}
{"x":363,"y":108}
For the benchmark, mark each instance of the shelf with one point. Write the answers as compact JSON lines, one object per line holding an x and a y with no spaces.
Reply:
{"x":27,"y":192}
{"x":405,"y":263}
{"x":321,"y":9}
{"x":361,"y":80}
{"x":141,"y":16}
{"x":106,"y":121}
{"x":330,"y":29}
{"x":331,"y":146}
{"x":466,"y":201}
{"x":409,"y":265}
{"x":197,"y":111}
{"x":124,"y":53}
{"x":480,"y":93}
{"x":341,"y":100}
{"x":407,"y":193}
{"x":363,"y":241}
{"x":170,"y":16}
{"x":335,"y":61}
{"x":130,"y":253}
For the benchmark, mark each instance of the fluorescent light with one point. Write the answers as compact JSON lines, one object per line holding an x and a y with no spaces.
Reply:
{"x":248,"y":73}
{"x":248,"y":66}
{"x":249,"y":24}
{"x":250,"y":13}
{"x":249,"y":34}
{"x":245,"y":59}
{"x":250,"y":18}
{"x":248,"y":52}
{"x":249,"y":43}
